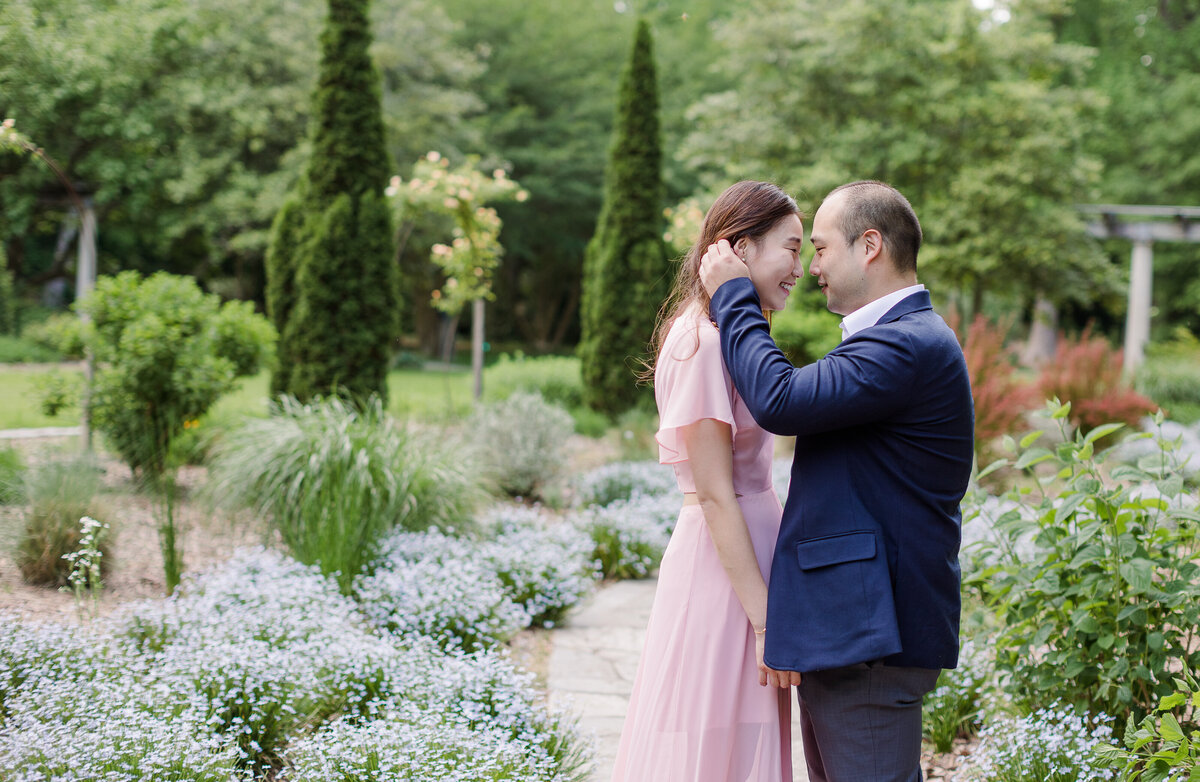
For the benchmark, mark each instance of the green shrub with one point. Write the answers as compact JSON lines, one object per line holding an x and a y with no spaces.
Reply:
{"x":805,"y":334}
{"x":1095,"y":577}
{"x":1171,"y":376}
{"x":160,"y":345}
{"x":625,"y":269}
{"x":1163,"y":745}
{"x":12,"y":476}
{"x":589,"y":422}
{"x":57,"y":390}
{"x":556,"y":378}
{"x":332,"y":280}
{"x":61,"y":333}
{"x":244,"y":337}
{"x":22,"y":350}
{"x":8,"y":298}
{"x":59,"y":495}
{"x":522,"y":442}
{"x":334,"y":479}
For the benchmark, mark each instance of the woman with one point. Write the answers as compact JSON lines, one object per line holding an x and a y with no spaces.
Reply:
{"x":702,"y":709}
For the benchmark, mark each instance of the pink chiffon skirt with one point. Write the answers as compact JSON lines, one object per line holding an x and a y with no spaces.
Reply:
{"x":697,"y":712}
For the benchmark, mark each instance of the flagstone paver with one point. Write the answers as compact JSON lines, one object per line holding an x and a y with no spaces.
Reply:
{"x":593,"y":663}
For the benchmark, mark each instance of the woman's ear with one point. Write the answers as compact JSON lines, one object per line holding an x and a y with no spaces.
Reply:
{"x":742,"y":247}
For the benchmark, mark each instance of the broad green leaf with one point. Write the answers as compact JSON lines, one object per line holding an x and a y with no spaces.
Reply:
{"x":1061,"y":411}
{"x":1137,"y":573}
{"x":1031,"y":438}
{"x":1033,"y":456}
{"x":1127,"y":472}
{"x":1169,"y":728}
{"x":1101,"y":431}
{"x":991,"y":468}
{"x":1171,"y":701}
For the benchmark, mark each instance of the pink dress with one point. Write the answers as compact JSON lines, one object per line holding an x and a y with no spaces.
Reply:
{"x":697,"y":712}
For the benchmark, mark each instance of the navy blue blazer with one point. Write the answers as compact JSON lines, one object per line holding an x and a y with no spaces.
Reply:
{"x":866,"y":565}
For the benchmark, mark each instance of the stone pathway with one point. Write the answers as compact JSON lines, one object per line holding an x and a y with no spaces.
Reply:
{"x":49,"y":431}
{"x":593,"y":663}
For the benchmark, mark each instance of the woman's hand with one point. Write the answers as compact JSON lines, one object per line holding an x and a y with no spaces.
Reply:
{"x":719,"y":265}
{"x":769,"y":676}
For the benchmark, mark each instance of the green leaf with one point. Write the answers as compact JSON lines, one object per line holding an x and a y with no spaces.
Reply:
{"x":1171,"y":701}
{"x":1138,"y":573}
{"x":991,"y":468}
{"x":1170,"y":729}
{"x":1127,"y":472}
{"x":1031,"y":438}
{"x":1061,"y":411}
{"x":1074,"y":667}
{"x":1033,"y":456}
{"x":1101,"y":431}
{"x":1068,"y":508}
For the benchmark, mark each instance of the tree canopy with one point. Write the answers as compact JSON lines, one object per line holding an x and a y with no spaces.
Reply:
{"x":185,"y":122}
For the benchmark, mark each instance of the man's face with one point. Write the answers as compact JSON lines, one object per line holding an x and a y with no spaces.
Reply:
{"x":840,"y":268}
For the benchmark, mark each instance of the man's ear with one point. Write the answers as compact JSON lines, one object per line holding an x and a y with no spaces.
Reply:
{"x":872,"y":244}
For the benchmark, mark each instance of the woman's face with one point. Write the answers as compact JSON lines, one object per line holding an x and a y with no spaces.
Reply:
{"x":774,"y":261}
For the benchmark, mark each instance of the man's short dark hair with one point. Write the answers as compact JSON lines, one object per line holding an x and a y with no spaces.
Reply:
{"x":870,"y":204}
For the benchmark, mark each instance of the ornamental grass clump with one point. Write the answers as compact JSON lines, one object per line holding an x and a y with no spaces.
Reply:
{"x":12,"y":471}
{"x":545,"y":564}
{"x":1051,"y":745}
{"x":622,"y":481}
{"x":59,"y":495}
{"x":1095,"y":575}
{"x":335,"y":479}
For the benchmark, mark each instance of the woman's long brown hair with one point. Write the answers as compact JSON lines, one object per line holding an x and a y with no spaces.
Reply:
{"x":746,"y":210}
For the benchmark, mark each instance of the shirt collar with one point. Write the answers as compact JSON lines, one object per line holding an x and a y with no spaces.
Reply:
{"x":869,"y":314}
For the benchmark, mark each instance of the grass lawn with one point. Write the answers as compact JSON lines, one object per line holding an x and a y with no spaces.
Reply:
{"x":424,"y":394}
{"x":19,"y":399}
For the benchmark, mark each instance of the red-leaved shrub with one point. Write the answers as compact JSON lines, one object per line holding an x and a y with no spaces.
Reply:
{"x":1087,"y":373}
{"x":1001,"y":399}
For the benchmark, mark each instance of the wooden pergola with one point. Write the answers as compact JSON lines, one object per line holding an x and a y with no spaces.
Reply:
{"x":1142,"y":225}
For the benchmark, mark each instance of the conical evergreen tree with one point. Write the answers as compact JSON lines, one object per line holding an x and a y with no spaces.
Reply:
{"x":625,"y":275}
{"x":332,"y":281}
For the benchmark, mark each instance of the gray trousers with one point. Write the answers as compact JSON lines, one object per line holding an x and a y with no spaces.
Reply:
{"x":862,"y":723}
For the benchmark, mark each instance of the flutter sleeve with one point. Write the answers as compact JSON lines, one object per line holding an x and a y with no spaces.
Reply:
{"x":690,"y":384}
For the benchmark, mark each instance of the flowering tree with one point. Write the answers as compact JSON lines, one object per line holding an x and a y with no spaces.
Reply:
{"x":470,"y":259}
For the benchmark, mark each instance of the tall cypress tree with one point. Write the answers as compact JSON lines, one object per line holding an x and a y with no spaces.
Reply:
{"x":625,"y":273}
{"x":332,"y":282}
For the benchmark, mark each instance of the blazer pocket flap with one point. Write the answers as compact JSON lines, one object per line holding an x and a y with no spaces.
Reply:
{"x":836,"y":549}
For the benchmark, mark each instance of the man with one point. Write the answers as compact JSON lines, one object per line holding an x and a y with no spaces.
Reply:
{"x":863,"y":602}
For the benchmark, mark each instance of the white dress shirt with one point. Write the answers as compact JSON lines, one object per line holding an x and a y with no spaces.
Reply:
{"x":869,"y":314}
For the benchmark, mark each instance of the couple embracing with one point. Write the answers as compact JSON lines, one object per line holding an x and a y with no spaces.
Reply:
{"x":850,"y":593}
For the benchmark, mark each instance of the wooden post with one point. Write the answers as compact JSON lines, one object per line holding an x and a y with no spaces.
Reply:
{"x":477,"y":346}
{"x":1043,"y":333}
{"x":85,"y":281}
{"x":1137,"y":317}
